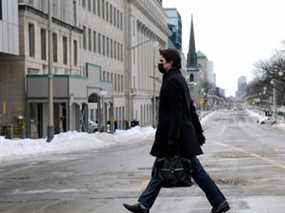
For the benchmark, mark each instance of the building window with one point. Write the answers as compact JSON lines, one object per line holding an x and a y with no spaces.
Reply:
{"x":89,"y":40}
{"x":63,"y":9}
{"x":122,"y":52}
{"x":104,"y":45}
{"x":107,"y":11}
{"x":108,"y":50}
{"x":118,"y":83}
{"x":115,"y":17}
{"x":111,"y":47}
{"x":75,"y":53}
{"x":74,"y":13}
{"x":103,"y":9}
{"x":54,"y":45}
{"x":94,"y":41}
{"x":31,"y":40}
{"x":84,"y":3}
{"x":118,"y":19}
{"x":122,"y":79}
{"x":191,"y":78}
{"x":1,"y":17}
{"x":108,"y":76}
{"x":99,"y":43}
{"x":118,"y":49}
{"x":134,"y":56}
{"x":121,"y":85}
{"x":55,"y":8}
{"x":64,"y":48}
{"x":104,"y":76}
{"x":134,"y":28}
{"x":94,"y":6}
{"x":43,"y":44}
{"x":99,"y":7}
{"x":115,"y":50}
{"x":111,"y":14}
{"x":84,"y":38}
{"x":115,"y":81}
{"x":121,"y":21}
{"x":89,"y":5}
{"x":42,"y":5}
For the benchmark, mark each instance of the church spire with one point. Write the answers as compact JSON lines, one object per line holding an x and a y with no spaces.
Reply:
{"x":192,"y":56}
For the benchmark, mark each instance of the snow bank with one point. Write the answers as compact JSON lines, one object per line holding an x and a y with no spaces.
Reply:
{"x":258,"y":115}
{"x":70,"y":142}
{"x":74,"y":141}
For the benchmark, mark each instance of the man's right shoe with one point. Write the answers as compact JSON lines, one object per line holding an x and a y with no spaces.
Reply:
{"x":222,"y":208}
{"x":136,"y":208}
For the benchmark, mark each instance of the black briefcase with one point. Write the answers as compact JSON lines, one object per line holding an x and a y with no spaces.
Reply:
{"x":173,"y":172}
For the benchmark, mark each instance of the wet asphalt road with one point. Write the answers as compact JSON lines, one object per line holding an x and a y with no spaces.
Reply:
{"x":245,"y":159}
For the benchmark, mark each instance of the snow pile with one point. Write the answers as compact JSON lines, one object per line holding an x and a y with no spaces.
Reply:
{"x":75,"y":141}
{"x":70,"y":142}
{"x":258,"y":115}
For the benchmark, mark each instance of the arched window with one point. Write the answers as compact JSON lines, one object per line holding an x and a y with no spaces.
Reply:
{"x":191,"y":78}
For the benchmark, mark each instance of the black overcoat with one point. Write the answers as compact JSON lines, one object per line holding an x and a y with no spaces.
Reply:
{"x":179,"y":128}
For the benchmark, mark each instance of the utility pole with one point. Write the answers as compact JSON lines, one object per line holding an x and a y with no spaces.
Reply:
{"x":50,"y":128}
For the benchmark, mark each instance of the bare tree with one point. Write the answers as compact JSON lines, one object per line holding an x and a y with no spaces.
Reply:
{"x":265,"y":71}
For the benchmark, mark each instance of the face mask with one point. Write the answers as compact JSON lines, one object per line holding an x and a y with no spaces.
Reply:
{"x":161,"y":68}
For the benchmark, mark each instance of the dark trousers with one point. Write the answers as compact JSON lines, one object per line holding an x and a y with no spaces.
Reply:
{"x":200,"y":176}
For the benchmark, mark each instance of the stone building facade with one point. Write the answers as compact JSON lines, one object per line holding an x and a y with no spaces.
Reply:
{"x":11,"y":94}
{"x":100,"y":74}
{"x":147,"y":32}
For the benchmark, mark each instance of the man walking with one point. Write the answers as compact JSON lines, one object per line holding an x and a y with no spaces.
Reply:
{"x":179,"y":132}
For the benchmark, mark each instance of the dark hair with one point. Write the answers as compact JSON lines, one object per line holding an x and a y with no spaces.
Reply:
{"x":171,"y":55}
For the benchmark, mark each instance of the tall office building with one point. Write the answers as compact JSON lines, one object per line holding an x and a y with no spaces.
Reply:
{"x":174,"y":23}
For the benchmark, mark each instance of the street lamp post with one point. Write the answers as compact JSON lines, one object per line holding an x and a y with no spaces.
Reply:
{"x":50,"y":129}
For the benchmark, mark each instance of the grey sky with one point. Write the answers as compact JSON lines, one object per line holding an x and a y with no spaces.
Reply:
{"x":234,"y":34}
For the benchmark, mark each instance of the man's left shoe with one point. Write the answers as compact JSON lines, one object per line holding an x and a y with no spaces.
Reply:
{"x":136,"y":208}
{"x":222,"y":208}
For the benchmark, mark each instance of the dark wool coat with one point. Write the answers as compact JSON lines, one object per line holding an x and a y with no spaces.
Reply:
{"x":179,"y":130}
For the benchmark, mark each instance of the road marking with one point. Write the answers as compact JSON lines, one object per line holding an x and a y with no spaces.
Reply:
{"x":268,"y":160}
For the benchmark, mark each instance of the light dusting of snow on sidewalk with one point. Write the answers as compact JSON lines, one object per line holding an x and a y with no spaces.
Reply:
{"x":74,"y":141}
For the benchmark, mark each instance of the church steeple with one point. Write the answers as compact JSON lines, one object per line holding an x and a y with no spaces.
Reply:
{"x":192,"y":56}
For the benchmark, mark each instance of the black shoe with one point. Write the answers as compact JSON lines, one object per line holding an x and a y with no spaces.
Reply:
{"x":136,"y":208}
{"x":223,"y":207}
